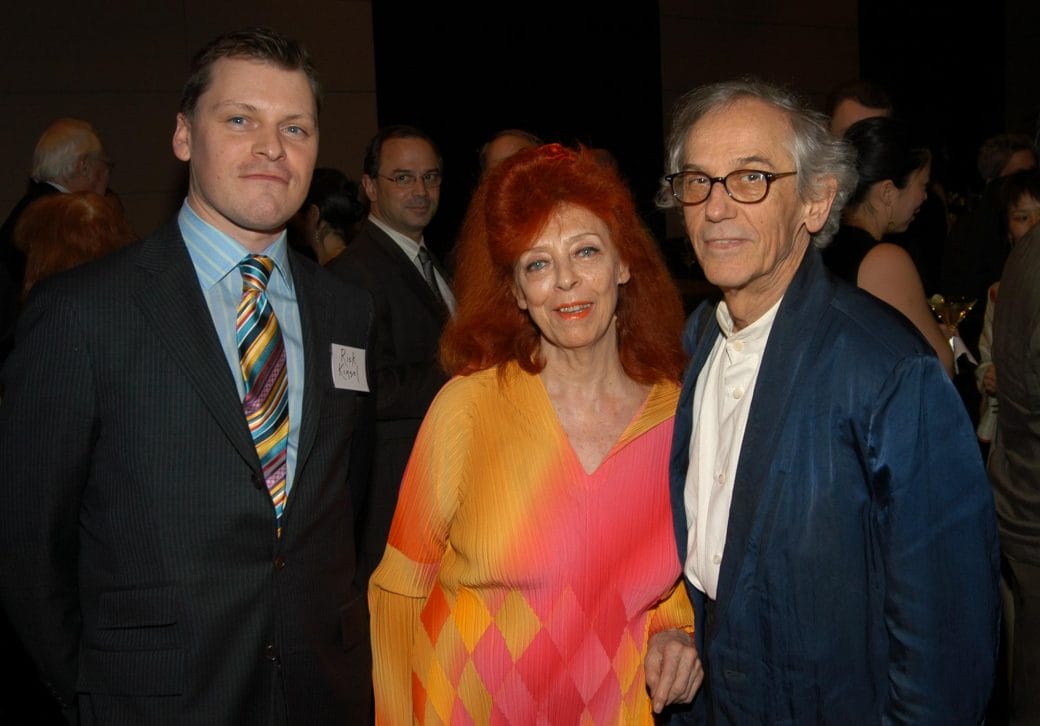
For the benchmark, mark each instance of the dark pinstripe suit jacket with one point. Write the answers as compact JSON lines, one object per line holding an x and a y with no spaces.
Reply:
{"x":140,"y":563}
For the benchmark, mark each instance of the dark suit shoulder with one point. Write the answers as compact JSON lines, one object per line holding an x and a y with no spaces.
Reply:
{"x":369,"y":259}
{"x":114,"y":273}
{"x":323,"y":278}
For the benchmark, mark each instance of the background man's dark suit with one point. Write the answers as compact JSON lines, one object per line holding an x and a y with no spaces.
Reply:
{"x":1014,"y":463}
{"x":12,"y":260}
{"x":409,"y":321}
{"x":140,"y":562}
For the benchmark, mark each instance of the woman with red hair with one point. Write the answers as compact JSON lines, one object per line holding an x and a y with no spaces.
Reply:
{"x":60,"y":231}
{"x":531,"y":561}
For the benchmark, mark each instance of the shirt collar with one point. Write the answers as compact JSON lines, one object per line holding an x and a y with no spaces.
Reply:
{"x":757,"y":331}
{"x":215,"y":254}
{"x":406,"y":243}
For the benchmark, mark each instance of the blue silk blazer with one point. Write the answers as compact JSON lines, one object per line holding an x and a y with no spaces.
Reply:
{"x":859,"y":575}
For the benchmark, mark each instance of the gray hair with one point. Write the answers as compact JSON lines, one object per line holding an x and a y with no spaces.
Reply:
{"x":817,"y":154}
{"x":61,"y":147}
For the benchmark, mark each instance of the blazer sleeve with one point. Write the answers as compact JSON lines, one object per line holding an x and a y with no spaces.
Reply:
{"x":934,"y":522}
{"x":408,"y":571}
{"x":47,"y":428}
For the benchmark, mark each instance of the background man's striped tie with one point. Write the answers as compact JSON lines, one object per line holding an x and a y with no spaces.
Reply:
{"x":262,"y":354}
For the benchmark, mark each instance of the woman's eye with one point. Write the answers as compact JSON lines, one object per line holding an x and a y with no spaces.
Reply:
{"x":588,"y":251}
{"x":536,"y":265}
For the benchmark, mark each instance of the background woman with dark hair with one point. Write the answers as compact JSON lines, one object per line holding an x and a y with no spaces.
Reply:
{"x":331,"y":214}
{"x":531,"y":560}
{"x":893,"y":181}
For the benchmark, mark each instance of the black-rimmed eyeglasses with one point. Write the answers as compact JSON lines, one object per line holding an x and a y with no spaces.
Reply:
{"x":746,"y":186}
{"x":431,"y":179}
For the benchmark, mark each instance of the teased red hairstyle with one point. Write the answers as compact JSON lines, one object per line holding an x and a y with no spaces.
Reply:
{"x":59,"y":231}
{"x":509,"y":209}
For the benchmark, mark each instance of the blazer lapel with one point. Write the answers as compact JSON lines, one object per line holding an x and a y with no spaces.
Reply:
{"x":699,"y":338}
{"x":313,"y":301}
{"x":408,"y":271}
{"x":778,"y":378}
{"x":170,"y":296}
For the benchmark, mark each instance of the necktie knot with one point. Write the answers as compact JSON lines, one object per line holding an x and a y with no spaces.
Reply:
{"x":256,"y":272}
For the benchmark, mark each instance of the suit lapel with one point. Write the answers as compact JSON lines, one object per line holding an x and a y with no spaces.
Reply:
{"x":406,"y":267}
{"x":314,"y":302}
{"x":170,"y":296}
{"x":699,"y":338}
{"x":778,"y":378}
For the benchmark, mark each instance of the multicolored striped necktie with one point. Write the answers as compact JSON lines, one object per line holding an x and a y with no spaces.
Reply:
{"x":262,"y":355}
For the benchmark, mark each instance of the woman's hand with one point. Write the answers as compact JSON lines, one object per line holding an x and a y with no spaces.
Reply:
{"x":673,"y":670}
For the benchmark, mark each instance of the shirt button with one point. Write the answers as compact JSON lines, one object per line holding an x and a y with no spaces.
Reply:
{"x":716,"y":559}
{"x":721,"y":478}
{"x":738,"y":393}
{"x":270,"y":653}
{"x":738,"y":345}
{"x":279,"y":562}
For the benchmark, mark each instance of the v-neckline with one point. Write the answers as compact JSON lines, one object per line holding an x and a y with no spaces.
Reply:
{"x":621,"y":441}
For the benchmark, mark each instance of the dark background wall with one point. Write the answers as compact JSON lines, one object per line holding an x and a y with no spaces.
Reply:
{"x":947,"y":74}
{"x":603,"y":74}
{"x":566,"y":71}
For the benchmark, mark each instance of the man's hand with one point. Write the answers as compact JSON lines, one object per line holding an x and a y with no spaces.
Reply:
{"x":673,"y":670}
{"x":989,"y":380}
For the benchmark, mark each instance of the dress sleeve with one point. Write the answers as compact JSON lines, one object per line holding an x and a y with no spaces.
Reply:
{"x":675,"y":611}
{"x":418,"y":538}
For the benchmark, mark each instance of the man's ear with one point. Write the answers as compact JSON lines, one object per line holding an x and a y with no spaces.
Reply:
{"x":182,"y":138}
{"x":369,"y":185}
{"x":819,"y":208}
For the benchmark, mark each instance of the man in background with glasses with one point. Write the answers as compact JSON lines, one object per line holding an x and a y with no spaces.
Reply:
{"x":832,"y":512}
{"x":413,"y":300}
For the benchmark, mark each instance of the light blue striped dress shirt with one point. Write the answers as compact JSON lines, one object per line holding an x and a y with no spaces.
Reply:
{"x":215,"y":256}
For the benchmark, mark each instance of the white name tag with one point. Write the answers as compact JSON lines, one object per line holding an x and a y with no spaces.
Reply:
{"x":348,"y":368}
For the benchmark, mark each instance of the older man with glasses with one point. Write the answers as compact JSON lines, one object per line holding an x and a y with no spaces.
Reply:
{"x":830,"y":506}
{"x":413,"y":299}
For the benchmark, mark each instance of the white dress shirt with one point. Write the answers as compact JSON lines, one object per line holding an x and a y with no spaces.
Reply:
{"x":721,"y":401}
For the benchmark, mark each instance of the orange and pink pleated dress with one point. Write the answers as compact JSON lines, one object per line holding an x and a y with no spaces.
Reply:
{"x":517,"y":588}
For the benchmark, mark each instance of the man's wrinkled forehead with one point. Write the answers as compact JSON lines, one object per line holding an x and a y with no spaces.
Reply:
{"x":743,"y":133}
